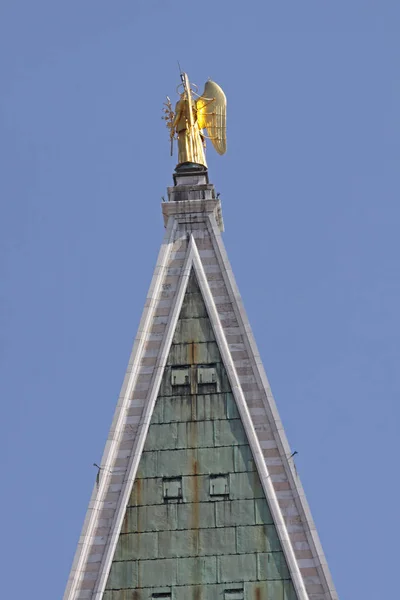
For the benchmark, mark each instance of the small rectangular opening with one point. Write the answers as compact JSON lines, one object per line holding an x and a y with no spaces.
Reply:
{"x":180,"y":376}
{"x":236,"y":594}
{"x":172,"y":489}
{"x":219,"y":486}
{"x":207,"y":375}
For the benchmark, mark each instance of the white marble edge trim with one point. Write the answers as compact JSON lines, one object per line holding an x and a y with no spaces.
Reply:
{"x":249,"y":428}
{"x":143,"y":427}
{"x":271,"y":408}
{"x":119,"y":419}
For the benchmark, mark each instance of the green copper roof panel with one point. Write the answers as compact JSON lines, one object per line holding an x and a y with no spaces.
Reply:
{"x":197,"y":525}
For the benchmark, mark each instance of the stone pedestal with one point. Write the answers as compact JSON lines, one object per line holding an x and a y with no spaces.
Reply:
{"x":192,"y":198}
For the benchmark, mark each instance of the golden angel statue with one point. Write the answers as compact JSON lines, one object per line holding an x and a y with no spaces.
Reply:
{"x":193,"y":114}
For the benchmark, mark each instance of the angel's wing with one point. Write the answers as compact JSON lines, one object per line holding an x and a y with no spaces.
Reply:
{"x":211,"y":114}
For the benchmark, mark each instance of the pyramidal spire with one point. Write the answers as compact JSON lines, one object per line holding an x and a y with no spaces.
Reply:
{"x":197,"y":495}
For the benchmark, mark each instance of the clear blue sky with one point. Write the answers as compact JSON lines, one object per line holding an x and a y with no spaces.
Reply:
{"x":310,"y":190}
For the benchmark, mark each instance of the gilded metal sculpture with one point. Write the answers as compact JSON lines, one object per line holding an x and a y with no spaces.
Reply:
{"x":193,"y":114}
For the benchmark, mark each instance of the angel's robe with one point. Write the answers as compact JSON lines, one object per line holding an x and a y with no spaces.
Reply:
{"x":190,"y":141}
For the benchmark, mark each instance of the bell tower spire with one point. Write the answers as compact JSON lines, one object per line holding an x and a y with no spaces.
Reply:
{"x":197,"y":495}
